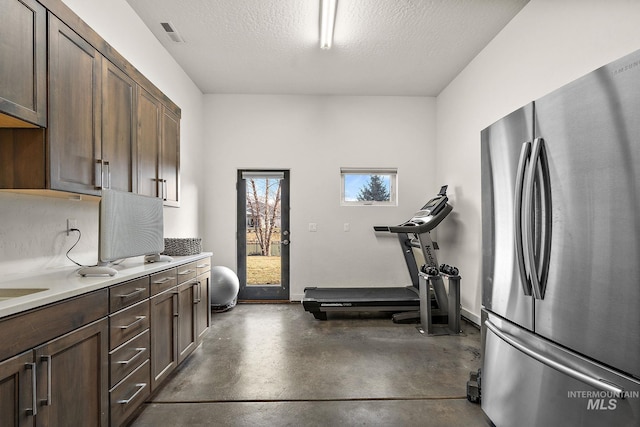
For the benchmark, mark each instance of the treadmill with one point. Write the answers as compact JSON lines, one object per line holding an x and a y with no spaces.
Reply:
{"x":404,"y":301}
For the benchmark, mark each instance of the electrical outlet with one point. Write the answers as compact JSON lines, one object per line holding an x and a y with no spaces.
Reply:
{"x":313,"y":227}
{"x":71,"y":224}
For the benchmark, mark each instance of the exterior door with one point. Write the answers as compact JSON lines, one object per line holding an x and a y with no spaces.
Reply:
{"x":263,"y":235}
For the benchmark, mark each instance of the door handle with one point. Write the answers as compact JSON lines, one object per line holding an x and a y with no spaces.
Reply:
{"x":517,"y":214}
{"x":537,"y":275}
{"x":519,"y":344}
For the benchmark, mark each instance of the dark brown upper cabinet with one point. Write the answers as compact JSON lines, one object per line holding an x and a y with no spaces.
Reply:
{"x":170,"y":157}
{"x":23,"y":66}
{"x":148,"y":140}
{"x":108,"y":126}
{"x":158,"y":142}
{"x":118,"y":129}
{"x":74,"y":133}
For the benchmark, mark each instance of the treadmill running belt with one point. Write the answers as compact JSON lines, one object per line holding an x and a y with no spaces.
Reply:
{"x":355,"y":295}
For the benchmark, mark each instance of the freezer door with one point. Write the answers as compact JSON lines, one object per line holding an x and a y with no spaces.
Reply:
{"x":591,"y":130}
{"x":529,"y":381}
{"x":504,"y":147}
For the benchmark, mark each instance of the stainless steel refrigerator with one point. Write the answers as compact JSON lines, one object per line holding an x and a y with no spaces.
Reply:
{"x":561,"y":256}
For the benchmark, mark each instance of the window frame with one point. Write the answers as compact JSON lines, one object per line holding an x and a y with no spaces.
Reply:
{"x":393,"y":184}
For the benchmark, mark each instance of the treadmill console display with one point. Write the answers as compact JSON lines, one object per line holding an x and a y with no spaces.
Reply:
{"x":432,"y":207}
{"x":426,"y":219}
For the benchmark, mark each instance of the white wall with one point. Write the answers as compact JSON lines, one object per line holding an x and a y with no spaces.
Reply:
{"x":314,"y":136}
{"x":32,"y":229}
{"x":548,"y":44}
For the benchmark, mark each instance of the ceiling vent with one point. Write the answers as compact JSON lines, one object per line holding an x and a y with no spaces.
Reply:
{"x":172,"y":32}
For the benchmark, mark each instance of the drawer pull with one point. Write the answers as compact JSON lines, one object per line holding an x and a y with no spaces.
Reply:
{"x":34,"y":400}
{"x":135,"y":322}
{"x":47,"y":401}
{"x":202,"y":265}
{"x":184,"y":273}
{"x":163,"y":280}
{"x":139,"y":351}
{"x":136,"y":292}
{"x":140,"y":386}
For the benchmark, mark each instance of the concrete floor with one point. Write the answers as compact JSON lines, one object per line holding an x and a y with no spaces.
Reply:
{"x":275,"y":365}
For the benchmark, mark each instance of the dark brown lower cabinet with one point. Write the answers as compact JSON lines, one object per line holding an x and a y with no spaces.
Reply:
{"x":203,"y":308}
{"x":164,"y":335}
{"x":73,"y":374}
{"x":101,"y":366}
{"x":17,"y":385}
{"x":187,"y":299}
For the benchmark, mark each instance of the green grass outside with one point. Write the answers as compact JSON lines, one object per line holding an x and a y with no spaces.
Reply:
{"x":263,"y":270}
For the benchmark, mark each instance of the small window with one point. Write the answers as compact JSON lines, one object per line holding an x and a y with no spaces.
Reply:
{"x":365,"y":187}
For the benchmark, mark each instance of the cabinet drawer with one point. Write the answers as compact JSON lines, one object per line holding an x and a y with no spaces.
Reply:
{"x":128,"y":293}
{"x":127,"y":323}
{"x":186,"y":272}
{"x":23,"y":331}
{"x":126,"y":358}
{"x":163,"y":281}
{"x":127,"y":396}
{"x":203,"y":265}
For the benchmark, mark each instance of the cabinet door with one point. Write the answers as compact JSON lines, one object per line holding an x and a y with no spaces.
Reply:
{"x":23,"y":55}
{"x":17,"y":388}
{"x":170,"y":158}
{"x":148,"y":141}
{"x":74,"y":110}
{"x":118,"y":128}
{"x":164,"y":335}
{"x":186,"y":319}
{"x":73,"y":378}
{"x":203,"y":307}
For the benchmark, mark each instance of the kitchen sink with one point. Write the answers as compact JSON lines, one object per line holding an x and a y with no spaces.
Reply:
{"x":8,"y":293}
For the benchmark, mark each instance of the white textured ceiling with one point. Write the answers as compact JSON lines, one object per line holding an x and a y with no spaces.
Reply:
{"x":381,"y":47}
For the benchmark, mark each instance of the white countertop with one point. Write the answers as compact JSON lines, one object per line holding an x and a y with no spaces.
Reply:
{"x":65,"y":283}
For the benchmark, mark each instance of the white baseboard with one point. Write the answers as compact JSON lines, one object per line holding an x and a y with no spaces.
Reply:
{"x":472,"y":317}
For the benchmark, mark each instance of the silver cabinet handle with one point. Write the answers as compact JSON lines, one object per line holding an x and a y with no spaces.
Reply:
{"x":164,"y":189}
{"x":99,"y":175}
{"x":33,"y":411}
{"x":136,"y":292}
{"x":185,"y":272}
{"x":135,"y":322}
{"x":163,"y":280}
{"x":140,"y":386}
{"x":176,"y":295}
{"x":202,"y":265}
{"x":139,"y":351}
{"x":108,"y":167}
{"x":47,"y":359}
{"x":597,"y":383}
{"x":196,"y":292}
{"x":517,"y":223}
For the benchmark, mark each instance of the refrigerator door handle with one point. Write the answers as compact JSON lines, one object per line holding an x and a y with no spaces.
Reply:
{"x":537,"y":276}
{"x":597,"y":383}
{"x":517,"y":214}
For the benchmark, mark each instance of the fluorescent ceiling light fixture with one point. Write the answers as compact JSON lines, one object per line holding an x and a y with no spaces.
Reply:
{"x":327,"y":22}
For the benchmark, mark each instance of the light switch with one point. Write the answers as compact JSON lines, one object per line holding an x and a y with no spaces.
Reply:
{"x":313,"y":227}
